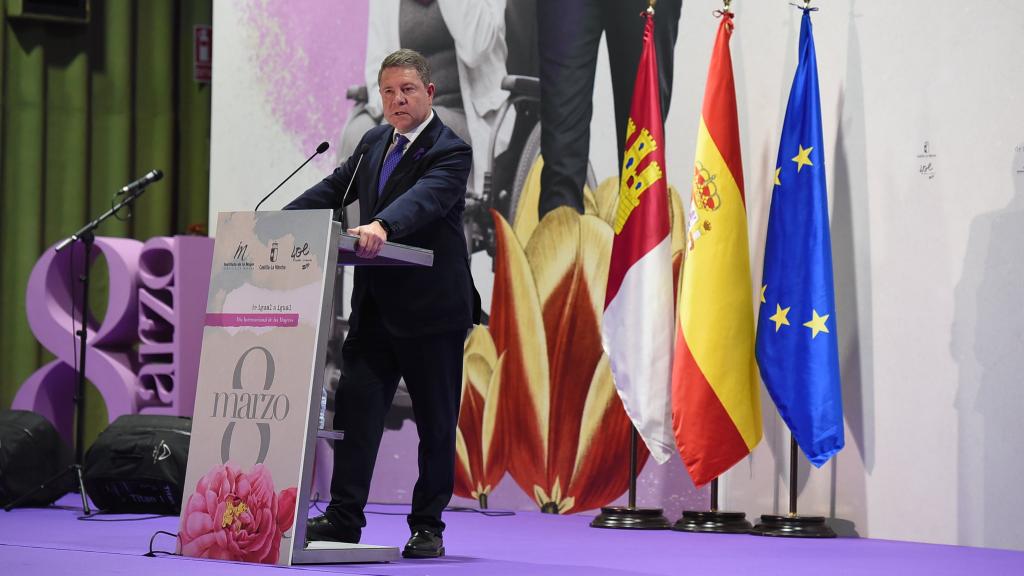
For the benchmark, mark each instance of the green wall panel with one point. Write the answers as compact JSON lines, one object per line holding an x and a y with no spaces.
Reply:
{"x":111,"y":108}
{"x":21,"y":211}
{"x":65,"y":190}
{"x":193,"y":124}
{"x":154,"y":116}
{"x":84,"y":109}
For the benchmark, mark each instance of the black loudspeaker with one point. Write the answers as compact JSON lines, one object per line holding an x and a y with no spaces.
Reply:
{"x":137,"y":465}
{"x":31,"y":452}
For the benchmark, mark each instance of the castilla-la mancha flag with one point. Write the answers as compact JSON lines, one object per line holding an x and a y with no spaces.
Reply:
{"x":715,"y":405}
{"x":637,"y":328}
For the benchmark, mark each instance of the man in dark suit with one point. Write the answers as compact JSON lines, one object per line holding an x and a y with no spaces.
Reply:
{"x":406,"y":322}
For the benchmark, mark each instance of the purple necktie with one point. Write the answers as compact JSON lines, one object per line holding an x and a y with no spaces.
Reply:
{"x":390,"y":161}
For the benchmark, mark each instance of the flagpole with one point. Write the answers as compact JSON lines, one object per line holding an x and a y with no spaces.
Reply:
{"x":714,"y":520}
{"x":632,"y":468}
{"x":793,"y":525}
{"x":630,"y":517}
{"x":817,"y":423}
{"x":793,"y":454}
{"x":721,"y":100}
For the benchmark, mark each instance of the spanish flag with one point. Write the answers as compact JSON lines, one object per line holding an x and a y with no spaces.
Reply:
{"x":637,"y":327}
{"x":716,"y":410}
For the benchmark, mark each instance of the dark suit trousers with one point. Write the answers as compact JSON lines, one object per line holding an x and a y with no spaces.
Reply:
{"x":569,"y":36}
{"x":372,"y":363}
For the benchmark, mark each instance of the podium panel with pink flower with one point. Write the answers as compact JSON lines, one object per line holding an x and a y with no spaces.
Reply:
{"x":258,"y":398}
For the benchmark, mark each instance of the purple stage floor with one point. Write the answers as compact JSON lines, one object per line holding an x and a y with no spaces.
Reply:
{"x":52,"y":541}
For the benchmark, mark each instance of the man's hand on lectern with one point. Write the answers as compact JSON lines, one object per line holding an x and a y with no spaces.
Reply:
{"x":371,"y":239}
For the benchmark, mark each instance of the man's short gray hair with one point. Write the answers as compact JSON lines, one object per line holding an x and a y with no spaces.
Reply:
{"x":406,"y":58}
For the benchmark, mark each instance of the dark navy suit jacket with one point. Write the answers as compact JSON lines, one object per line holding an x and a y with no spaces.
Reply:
{"x":422,"y":202}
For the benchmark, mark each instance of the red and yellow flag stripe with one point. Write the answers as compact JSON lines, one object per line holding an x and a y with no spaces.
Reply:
{"x":716,"y":409}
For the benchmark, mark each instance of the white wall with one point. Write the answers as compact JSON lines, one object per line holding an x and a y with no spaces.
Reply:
{"x":928,"y":275}
{"x":280,"y":71}
{"x":928,"y":270}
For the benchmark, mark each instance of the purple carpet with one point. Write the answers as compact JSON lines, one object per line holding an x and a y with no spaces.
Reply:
{"x":53,"y":541}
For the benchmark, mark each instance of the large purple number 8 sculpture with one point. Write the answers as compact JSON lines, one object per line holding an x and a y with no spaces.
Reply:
{"x":52,"y":288}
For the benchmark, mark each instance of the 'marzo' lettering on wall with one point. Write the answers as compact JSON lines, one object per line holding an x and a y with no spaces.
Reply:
{"x":258,"y":407}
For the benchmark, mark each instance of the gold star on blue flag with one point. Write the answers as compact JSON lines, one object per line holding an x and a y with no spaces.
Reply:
{"x":800,"y":363}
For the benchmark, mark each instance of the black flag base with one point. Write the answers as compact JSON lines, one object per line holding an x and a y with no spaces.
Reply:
{"x":793,"y":526}
{"x":626,"y":518}
{"x":716,"y":522}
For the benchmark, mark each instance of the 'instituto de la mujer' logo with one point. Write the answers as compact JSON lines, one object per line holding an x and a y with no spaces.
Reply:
{"x":240,"y":259}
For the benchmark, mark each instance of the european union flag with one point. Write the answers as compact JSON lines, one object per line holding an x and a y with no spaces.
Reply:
{"x":796,"y":331}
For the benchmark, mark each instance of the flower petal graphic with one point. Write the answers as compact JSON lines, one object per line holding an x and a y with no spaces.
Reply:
{"x":607,"y":198}
{"x":517,"y":329}
{"x":236,"y":515}
{"x":525,"y":220}
{"x":569,"y":254}
{"x":480,"y":453}
{"x":550,"y":407}
{"x":602,"y":459}
{"x":678,"y":235}
{"x":526,"y":212}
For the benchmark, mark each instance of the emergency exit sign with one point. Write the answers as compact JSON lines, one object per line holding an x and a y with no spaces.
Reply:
{"x":202,"y":53}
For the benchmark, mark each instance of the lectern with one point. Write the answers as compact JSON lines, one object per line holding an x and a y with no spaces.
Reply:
{"x":258,"y":396}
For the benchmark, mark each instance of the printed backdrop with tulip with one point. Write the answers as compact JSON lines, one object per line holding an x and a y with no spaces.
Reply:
{"x":538,"y":400}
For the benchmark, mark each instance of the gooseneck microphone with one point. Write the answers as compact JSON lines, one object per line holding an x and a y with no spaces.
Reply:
{"x":319,"y":150}
{"x":149,"y":178}
{"x":344,"y":197}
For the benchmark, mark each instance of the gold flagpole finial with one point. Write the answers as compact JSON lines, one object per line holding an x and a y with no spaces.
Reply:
{"x":650,"y":6}
{"x":727,"y":4}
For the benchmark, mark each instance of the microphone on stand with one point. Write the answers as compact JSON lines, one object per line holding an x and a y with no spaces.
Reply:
{"x":342,"y":211}
{"x":133,"y":190}
{"x":319,"y":150}
{"x":344,"y":197}
{"x":149,"y":178}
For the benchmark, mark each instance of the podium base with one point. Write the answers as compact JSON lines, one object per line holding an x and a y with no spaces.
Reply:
{"x":793,"y":526}
{"x":622,"y":517}
{"x":343,"y":553}
{"x":714,"y":522}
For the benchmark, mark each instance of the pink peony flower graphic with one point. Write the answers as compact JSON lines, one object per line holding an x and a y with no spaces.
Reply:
{"x":236,"y":515}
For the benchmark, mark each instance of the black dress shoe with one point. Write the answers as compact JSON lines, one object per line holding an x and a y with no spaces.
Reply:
{"x":321,"y":529}
{"x":424,"y":544}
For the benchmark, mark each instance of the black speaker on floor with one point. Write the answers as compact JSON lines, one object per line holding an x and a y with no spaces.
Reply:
{"x":137,"y":465}
{"x":31,"y":452}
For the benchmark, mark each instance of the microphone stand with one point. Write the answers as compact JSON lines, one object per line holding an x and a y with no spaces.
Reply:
{"x":86,"y":236}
